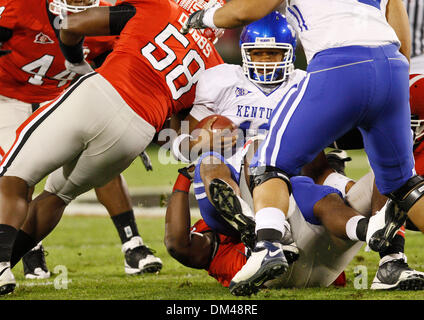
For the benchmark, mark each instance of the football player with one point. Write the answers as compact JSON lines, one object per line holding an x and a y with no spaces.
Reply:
{"x":338,"y":62}
{"x":244,"y":94}
{"x":35,"y":73}
{"x":107,"y":118}
{"x":208,"y":245}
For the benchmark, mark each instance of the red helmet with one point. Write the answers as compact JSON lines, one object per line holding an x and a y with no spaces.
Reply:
{"x":194,"y":5}
{"x":416,"y":101}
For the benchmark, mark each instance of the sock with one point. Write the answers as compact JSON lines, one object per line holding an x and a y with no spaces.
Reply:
{"x":356,"y":228}
{"x":126,"y":226}
{"x":7,"y":238}
{"x":270,"y":224}
{"x":23,"y":244}
{"x":397,"y":245}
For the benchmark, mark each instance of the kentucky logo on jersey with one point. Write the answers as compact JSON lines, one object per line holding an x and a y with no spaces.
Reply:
{"x":241,"y":92}
{"x":42,"y":38}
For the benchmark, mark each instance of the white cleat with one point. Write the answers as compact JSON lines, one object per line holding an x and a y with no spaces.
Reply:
{"x":266,"y":263}
{"x":7,"y":280}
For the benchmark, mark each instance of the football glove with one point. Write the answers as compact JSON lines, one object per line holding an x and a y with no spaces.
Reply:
{"x":197,"y":19}
{"x":80,"y":68}
{"x":188,"y":171}
{"x":146,"y":161}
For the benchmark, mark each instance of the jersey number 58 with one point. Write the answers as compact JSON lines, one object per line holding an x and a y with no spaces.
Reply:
{"x":173,"y":76}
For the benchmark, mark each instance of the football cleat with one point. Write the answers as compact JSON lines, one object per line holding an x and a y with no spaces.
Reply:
{"x":139,"y":258}
{"x":337,"y":160}
{"x":383,"y":226}
{"x":234,"y":210}
{"x":394,"y":274}
{"x":34,"y":263}
{"x":7,"y":280}
{"x":266,"y":262}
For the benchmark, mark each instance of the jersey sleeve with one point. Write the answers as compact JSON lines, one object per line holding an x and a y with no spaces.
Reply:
{"x":9,"y":13}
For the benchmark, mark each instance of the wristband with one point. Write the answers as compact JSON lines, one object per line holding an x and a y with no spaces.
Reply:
{"x":208,"y":17}
{"x":182,"y":184}
{"x":176,"y":148}
{"x":74,"y":54}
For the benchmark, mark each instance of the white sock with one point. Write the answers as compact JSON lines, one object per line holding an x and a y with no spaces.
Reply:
{"x":270,"y":218}
{"x":351,"y":226}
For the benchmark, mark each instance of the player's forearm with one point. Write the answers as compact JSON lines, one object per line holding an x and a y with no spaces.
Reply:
{"x":237,"y":13}
{"x":397,"y":17}
{"x":177,"y":226}
{"x":91,"y":22}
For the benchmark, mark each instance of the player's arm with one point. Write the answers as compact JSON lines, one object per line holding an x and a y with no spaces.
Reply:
{"x":100,"y":21}
{"x":233,"y":14}
{"x":397,"y":17}
{"x":193,"y":250}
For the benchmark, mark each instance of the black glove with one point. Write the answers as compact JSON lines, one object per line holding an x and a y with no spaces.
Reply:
{"x":194,"y":21}
{"x":4,"y":52}
{"x":146,"y":161}
{"x":188,"y":171}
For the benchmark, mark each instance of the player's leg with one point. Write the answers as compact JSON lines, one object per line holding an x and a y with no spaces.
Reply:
{"x":296,"y":136}
{"x":115,"y":197}
{"x":220,"y":180}
{"x":221,"y":174}
{"x":390,"y":151}
{"x":25,"y":164}
{"x":44,"y":213}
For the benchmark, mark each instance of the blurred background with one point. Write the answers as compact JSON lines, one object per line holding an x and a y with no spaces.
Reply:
{"x":229,"y":49}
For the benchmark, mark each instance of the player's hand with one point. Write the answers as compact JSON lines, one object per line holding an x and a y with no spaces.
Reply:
{"x":196,"y":19}
{"x":4,"y":52}
{"x":209,"y":139}
{"x":188,"y":171}
{"x":80,"y":68}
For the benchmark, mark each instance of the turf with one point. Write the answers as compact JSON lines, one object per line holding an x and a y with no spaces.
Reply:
{"x":88,"y":247}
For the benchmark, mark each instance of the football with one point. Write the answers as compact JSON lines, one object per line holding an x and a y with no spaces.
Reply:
{"x":220,"y":123}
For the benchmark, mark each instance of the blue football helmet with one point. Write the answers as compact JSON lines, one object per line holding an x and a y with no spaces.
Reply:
{"x":272,"y":31}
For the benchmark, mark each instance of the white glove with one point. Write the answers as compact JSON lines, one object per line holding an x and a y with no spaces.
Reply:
{"x":80,"y":68}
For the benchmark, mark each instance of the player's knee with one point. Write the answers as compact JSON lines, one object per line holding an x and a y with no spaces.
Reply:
{"x":259,"y":175}
{"x":212,"y":167}
{"x":410,"y":193}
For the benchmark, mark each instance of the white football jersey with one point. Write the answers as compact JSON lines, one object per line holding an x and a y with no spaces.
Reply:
{"x":225,"y":90}
{"x":324,"y":24}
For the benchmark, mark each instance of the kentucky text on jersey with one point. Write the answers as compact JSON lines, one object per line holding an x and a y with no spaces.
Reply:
{"x":253,"y":112}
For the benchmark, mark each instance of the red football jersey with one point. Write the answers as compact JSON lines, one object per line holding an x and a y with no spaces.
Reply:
{"x":35,"y":70}
{"x":419,"y":159}
{"x":153,"y":66}
{"x":229,"y":257}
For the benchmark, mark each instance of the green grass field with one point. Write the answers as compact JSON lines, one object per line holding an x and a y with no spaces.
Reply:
{"x":88,"y":248}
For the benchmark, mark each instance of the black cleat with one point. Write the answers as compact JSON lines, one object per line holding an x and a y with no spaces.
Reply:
{"x":234,"y":210}
{"x":397,"y":275}
{"x":382,"y":226}
{"x":35,"y":263}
